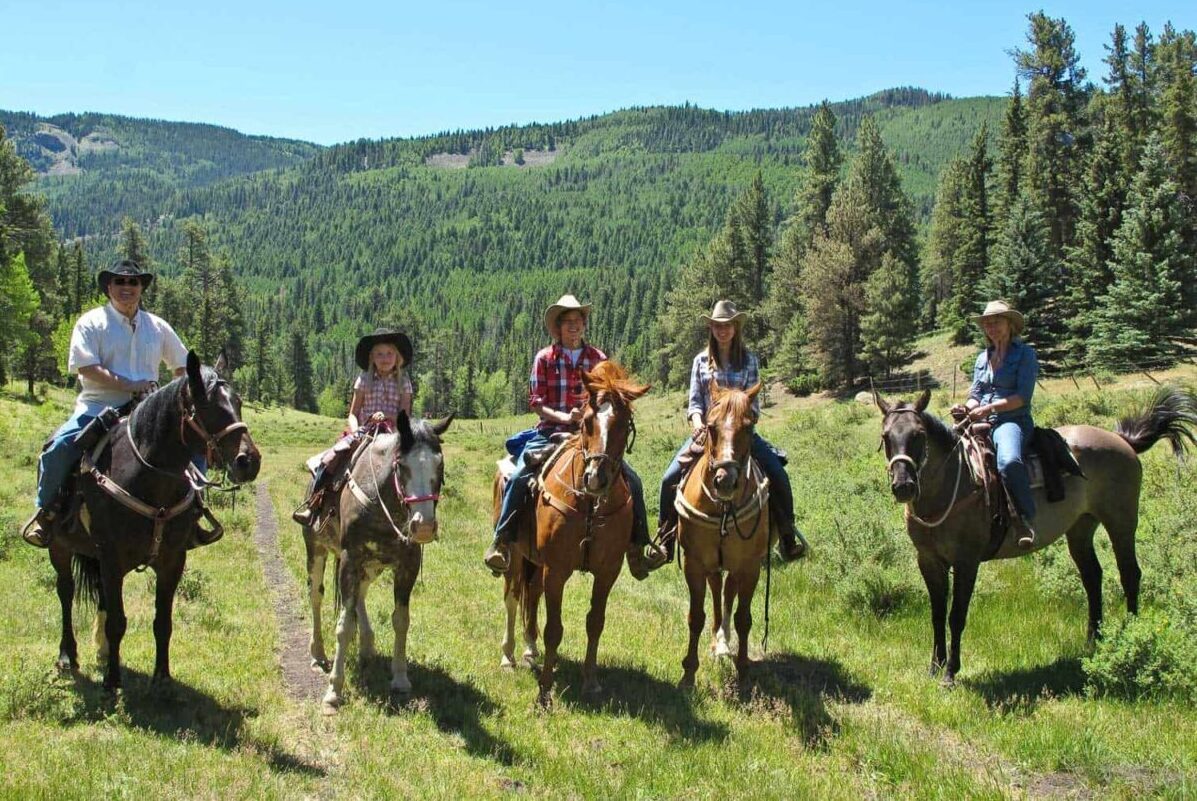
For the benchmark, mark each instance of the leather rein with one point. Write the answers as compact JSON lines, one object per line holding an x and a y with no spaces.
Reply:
{"x":400,"y":491}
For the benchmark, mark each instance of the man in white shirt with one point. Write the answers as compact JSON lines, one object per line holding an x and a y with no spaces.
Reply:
{"x":116,"y":350}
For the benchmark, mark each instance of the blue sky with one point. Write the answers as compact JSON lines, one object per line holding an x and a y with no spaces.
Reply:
{"x":334,"y":71}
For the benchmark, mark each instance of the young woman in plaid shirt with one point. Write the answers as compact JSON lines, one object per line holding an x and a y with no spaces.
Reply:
{"x":557,"y":396}
{"x":732,"y":365}
{"x":381,"y":391}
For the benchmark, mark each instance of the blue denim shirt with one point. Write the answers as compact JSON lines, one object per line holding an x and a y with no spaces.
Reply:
{"x":1015,"y":376}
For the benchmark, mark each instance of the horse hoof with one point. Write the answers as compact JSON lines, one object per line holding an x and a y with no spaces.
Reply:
{"x":321,"y":665}
{"x":721,"y":650}
{"x":64,"y":664}
{"x":401,"y":686}
{"x":331,"y":703}
{"x":507,"y":663}
{"x":544,"y":699}
{"x":687,"y":682}
{"x":935,"y":669}
{"x":948,"y":682}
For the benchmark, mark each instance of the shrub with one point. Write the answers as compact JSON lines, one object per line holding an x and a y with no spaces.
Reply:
{"x":1151,"y":655}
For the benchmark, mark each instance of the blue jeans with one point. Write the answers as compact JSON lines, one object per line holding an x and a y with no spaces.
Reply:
{"x":60,"y":458}
{"x":781,"y":494}
{"x":515,"y":494}
{"x":1010,"y":441}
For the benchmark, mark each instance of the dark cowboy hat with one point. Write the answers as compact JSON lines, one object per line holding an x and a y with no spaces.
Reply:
{"x":123,"y":267}
{"x":361,"y":354}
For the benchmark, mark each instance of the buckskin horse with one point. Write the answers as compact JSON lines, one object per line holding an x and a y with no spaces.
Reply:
{"x":386,"y":513}
{"x":948,"y":521}
{"x":723,"y":527}
{"x":138,"y":508}
{"x":583,"y":521}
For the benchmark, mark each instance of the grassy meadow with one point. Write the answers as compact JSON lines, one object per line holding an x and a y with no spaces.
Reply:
{"x":840,"y":706}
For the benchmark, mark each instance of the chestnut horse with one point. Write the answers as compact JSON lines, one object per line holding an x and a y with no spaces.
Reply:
{"x":723,"y":526}
{"x":949,"y":523}
{"x":583,"y":521}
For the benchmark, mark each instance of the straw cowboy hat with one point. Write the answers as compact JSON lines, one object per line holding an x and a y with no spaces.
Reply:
{"x":564,"y":304}
{"x":123,"y":267}
{"x":724,"y":311}
{"x":1000,"y":308}
{"x":361,"y":354}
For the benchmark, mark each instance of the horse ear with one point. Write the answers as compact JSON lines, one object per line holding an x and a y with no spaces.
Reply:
{"x":195,"y":379}
{"x":635,"y":393}
{"x":406,"y":438}
{"x":754,"y":390}
{"x":440,"y":426}
{"x":920,"y":405}
{"x":222,"y":364}
{"x":881,"y":404}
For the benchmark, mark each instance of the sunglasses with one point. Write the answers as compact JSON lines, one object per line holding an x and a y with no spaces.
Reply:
{"x":118,"y":281}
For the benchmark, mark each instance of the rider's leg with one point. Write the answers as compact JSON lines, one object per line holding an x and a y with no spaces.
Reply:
{"x":515,"y":498}
{"x":1010,"y":440}
{"x":667,"y":514}
{"x":792,"y":544}
{"x":54,"y":466}
{"x":640,"y":563}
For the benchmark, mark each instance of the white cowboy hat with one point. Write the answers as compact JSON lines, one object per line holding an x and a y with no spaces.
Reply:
{"x":564,"y":304}
{"x":724,"y":311}
{"x":1000,"y":308}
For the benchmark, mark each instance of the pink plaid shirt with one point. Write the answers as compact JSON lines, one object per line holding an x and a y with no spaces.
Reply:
{"x":386,"y":395}
{"x":558,"y":384}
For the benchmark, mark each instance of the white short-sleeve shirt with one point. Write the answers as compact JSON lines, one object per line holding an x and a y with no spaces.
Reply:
{"x":132,"y":350}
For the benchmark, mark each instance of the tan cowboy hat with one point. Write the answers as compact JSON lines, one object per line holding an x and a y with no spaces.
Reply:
{"x":1000,"y":308}
{"x":564,"y":303}
{"x":724,"y":311}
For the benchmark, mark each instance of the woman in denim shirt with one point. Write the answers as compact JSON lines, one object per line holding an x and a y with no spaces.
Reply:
{"x":1003,"y":383}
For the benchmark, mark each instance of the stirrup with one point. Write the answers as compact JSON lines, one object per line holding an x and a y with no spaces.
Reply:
{"x":36,"y":531}
{"x":1026,"y":533}
{"x":303,"y":514}
{"x":795,"y":549}
{"x":496,"y":557}
{"x":640,"y":563}
{"x":201,"y":536}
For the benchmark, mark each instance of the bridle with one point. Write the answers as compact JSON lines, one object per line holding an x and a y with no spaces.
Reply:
{"x":917,"y":468}
{"x":189,"y":418}
{"x":401,"y":493}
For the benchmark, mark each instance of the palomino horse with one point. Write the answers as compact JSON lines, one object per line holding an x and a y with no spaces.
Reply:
{"x":723,"y":526}
{"x":583,"y":522}
{"x":139,"y":510}
{"x":947,"y":518}
{"x":387,"y":512}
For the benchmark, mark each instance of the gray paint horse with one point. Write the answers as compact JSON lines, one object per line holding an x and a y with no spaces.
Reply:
{"x":387,"y":512}
{"x":948,"y":522}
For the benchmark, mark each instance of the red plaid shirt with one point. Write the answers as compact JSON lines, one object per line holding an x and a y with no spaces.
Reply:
{"x":558,"y":384}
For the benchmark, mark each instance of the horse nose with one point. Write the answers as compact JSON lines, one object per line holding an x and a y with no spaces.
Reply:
{"x":423,"y":531}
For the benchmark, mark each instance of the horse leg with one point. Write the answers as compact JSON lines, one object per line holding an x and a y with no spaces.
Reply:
{"x":596,"y":619}
{"x":511,"y":607}
{"x":346,"y":629}
{"x":554,"y":588}
{"x":68,"y":652}
{"x":168,"y":572}
{"x":935,"y":576}
{"x":745,"y":589}
{"x":532,"y":592}
{"x":721,"y":608}
{"x":405,"y":580}
{"x":1122,"y":538}
{"x":1080,"y":545}
{"x":115,"y":621}
{"x":365,"y":631}
{"x":317,"y":557}
{"x":962,"y":593}
{"x":696,"y":583}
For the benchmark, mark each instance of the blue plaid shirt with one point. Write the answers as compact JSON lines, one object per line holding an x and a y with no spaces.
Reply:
{"x":700,"y":381}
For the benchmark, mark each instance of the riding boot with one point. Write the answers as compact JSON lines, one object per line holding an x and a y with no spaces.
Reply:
{"x":496,"y":556}
{"x":643,"y":555}
{"x":1026,"y":532}
{"x":305,"y":514}
{"x":37,"y":531}
{"x":791,"y":545}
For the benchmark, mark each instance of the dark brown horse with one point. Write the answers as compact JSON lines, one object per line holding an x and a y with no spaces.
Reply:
{"x":583,"y":521}
{"x":723,"y":527}
{"x":145,"y":462}
{"x":949,"y":523}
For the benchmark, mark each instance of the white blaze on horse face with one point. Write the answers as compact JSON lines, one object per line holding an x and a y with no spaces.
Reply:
{"x":603,"y":416}
{"x":727,"y":441}
{"x":423,"y":466}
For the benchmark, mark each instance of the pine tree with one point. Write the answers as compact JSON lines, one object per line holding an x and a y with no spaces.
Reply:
{"x":1144,"y":311}
{"x":1012,"y":152}
{"x":133,"y":244}
{"x":833,"y":303}
{"x":19,"y":303}
{"x":1176,"y":56}
{"x":888,"y":327}
{"x":970,"y":262}
{"x":1026,"y":274}
{"x":303,"y":395}
{"x":943,"y":243}
{"x":1055,"y":123}
{"x":81,"y":286}
{"x":232,"y":324}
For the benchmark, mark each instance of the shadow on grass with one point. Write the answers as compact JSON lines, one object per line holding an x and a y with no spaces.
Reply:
{"x":180,"y":712}
{"x":797,"y":688}
{"x":631,"y":692}
{"x":1020,"y":691}
{"x":455,"y":707}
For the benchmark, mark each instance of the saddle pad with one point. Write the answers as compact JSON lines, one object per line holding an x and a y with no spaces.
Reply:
{"x":506,"y":467}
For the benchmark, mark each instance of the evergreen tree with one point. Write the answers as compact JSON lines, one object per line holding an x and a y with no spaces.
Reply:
{"x":199,"y":314}
{"x":133,"y":244}
{"x":1012,"y":152}
{"x":303,"y":396}
{"x":889,"y":326}
{"x":1176,"y":56}
{"x":1055,"y":123}
{"x":1144,"y":312}
{"x":231,"y":322}
{"x":1026,"y":274}
{"x":970,"y":263}
{"x":82,"y":289}
{"x":833,"y":301}
{"x":887,"y":205}
{"x":943,"y":243}
{"x":19,"y":303}
{"x":1140,"y":94}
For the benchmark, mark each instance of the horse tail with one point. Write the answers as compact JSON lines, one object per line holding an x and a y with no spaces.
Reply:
{"x":87,"y":579}
{"x":522,"y":575}
{"x":1171,"y":415}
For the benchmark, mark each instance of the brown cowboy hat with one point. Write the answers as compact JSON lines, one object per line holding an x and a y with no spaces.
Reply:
{"x":361,"y":354}
{"x":564,"y":303}
{"x":725,"y":311}
{"x":123,"y":267}
{"x":1000,"y":308}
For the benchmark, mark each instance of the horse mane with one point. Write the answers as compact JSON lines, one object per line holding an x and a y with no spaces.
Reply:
{"x":165,"y":400}
{"x":607,"y":376}
{"x":732,"y":402}
{"x":943,"y":436}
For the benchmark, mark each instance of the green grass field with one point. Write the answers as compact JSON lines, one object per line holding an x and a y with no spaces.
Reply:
{"x":839,"y":707}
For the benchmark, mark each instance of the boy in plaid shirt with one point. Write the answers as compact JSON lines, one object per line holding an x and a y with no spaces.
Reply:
{"x":557,"y":396}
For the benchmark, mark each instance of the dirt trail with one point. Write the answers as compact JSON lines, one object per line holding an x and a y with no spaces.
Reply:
{"x":301,"y":681}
